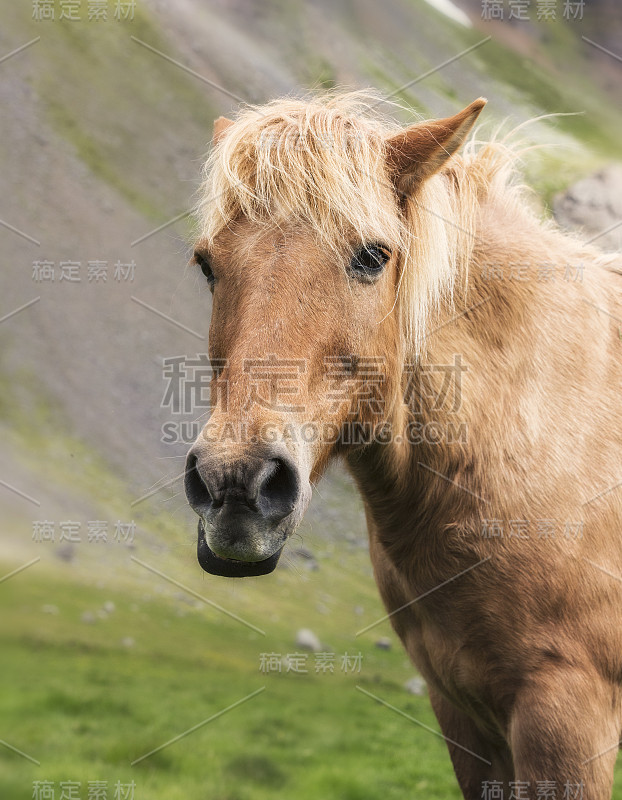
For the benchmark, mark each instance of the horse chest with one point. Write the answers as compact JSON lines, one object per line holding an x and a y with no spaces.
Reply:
{"x":437,"y":645}
{"x":447,"y":662}
{"x":444,"y":658}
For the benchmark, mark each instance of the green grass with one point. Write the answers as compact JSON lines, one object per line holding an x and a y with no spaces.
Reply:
{"x":84,"y":705}
{"x":78,"y":700}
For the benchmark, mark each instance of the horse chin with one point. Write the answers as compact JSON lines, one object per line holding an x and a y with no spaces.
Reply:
{"x":228,"y":567}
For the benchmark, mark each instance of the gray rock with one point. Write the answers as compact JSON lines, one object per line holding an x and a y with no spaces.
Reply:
{"x":384,"y":643}
{"x":592,"y":206}
{"x":415,"y":685}
{"x":88,"y":618}
{"x":307,"y":640}
{"x":65,"y":552}
{"x":184,"y":597}
{"x":306,"y":558}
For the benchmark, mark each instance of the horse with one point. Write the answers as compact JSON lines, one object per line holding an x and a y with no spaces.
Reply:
{"x":394,"y":298}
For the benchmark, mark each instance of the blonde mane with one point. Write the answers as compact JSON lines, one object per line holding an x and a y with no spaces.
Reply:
{"x":322,"y":162}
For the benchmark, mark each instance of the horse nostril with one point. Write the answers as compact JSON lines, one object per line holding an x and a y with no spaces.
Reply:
{"x":279,"y":489}
{"x":197,"y":492}
{"x":267,"y":484}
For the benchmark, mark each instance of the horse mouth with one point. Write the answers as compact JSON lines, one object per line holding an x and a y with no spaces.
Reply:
{"x":229,"y":567}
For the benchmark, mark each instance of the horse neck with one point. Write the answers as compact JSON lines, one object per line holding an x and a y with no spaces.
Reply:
{"x":445,"y":431}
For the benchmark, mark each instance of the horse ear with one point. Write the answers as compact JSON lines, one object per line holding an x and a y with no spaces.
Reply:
{"x":421,"y":150}
{"x":220,"y":126}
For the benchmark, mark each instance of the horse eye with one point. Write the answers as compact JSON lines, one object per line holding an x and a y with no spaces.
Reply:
{"x":205,"y":268}
{"x":369,"y":260}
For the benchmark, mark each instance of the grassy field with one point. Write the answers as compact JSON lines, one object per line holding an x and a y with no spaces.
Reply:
{"x":85,"y":699}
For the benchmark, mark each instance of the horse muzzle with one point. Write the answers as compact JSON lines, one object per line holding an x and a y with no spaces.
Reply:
{"x":247,"y":508}
{"x":229,"y":567}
